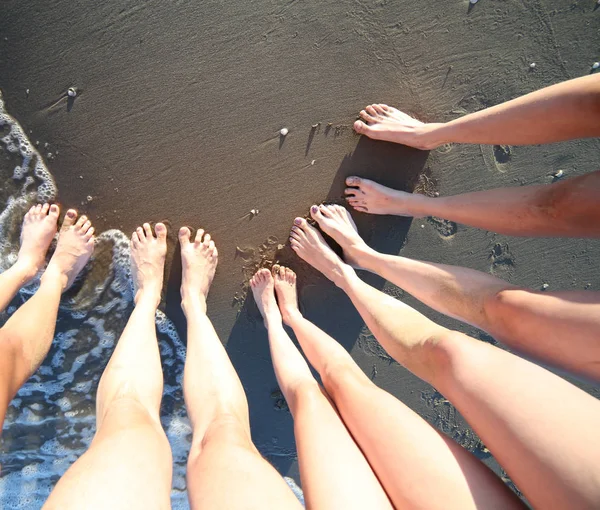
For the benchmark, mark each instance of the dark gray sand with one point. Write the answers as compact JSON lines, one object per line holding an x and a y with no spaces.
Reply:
{"x":177,"y":117}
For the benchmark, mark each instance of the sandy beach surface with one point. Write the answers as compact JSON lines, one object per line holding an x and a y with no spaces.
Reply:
{"x":177,"y":119}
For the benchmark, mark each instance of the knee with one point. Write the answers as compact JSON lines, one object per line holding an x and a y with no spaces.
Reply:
{"x":304,"y":393}
{"x":341,"y":373}
{"x":498,"y":307}
{"x":226,"y":428}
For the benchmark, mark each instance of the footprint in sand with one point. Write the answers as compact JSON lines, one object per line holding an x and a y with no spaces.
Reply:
{"x":497,"y":157}
{"x":445,"y":228}
{"x":501,"y":257}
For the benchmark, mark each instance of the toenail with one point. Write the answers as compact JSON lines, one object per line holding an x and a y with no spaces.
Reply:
{"x":314,"y":208}
{"x":297,"y":221}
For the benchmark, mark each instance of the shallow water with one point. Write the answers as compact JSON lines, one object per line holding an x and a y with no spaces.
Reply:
{"x":51,"y":422}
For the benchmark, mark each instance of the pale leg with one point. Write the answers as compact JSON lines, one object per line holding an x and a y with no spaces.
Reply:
{"x":334,"y":472}
{"x":129,"y":463}
{"x":225,"y":470}
{"x":542,"y":429}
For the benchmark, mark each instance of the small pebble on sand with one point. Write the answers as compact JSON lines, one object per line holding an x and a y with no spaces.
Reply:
{"x":532,"y":65}
{"x":313,"y":161}
{"x":596,"y":65}
{"x":284,"y":131}
{"x":72,"y":92}
{"x":545,"y":286}
{"x":473,"y":1}
{"x":559,"y":174}
{"x":89,"y":198}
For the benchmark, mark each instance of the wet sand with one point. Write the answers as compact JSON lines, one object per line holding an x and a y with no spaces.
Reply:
{"x":177,"y":119}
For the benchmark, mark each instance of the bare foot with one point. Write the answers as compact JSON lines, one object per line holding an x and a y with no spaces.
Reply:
{"x":285,"y":287}
{"x":199,"y":260}
{"x":336,"y":222}
{"x":39,"y":228}
{"x":262,"y":289}
{"x":368,"y":196}
{"x":382,"y":122}
{"x":73,"y":250}
{"x":310,"y":246}
{"x":148,"y":262}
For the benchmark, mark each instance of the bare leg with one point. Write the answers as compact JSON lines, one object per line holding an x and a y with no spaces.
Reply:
{"x":128,"y":464}
{"x":334,"y":472}
{"x":563,"y":111}
{"x":26,"y":337}
{"x":569,"y":322}
{"x":542,"y":429}
{"x":225,"y":470}
{"x":564,"y":209}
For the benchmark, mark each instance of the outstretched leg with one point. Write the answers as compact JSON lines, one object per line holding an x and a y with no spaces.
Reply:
{"x":563,"y":111}
{"x":542,"y":429}
{"x":26,"y":337}
{"x":128,"y":464}
{"x":564,"y":209}
{"x":334,"y":472}
{"x":568,"y":322}
{"x":225,"y":470}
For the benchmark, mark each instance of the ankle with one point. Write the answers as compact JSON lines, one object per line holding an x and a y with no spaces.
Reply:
{"x":26,"y":269}
{"x":290,"y":314}
{"x":342,"y":275}
{"x":192,"y":303}
{"x":53,"y":273}
{"x":273,"y":319}
{"x":149,"y":297}
{"x":360,"y":255}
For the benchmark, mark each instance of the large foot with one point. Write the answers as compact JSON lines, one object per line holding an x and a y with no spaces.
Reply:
{"x":148,"y":262}
{"x":39,"y":228}
{"x":310,"y":246}
{"x":73,"y":250}
{"x":336,"y":222}
{"x":285,"y":288}
{"x":382,"y":122}
{"x":199,"y":260}
{"x":369,"y":197}
{"x":262,"y":288}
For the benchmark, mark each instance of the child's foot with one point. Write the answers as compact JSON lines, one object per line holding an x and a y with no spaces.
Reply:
{"x":148,"y":262}
{"x":383,"y":122}
{"x":73,"y":250}
{"x":285,"y":287}
{"x":369,"y":197}
{"x":336,"y":222}
{"x":262,"y":289}
{"x":39,"y":228}
{"x":310,"y":246}
{"x":199,"y":259}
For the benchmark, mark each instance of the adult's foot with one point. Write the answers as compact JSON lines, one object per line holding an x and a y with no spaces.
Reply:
{"x":39,"y":228}
{"x":310,"y":246}
{"x":199,"y":259}
{"x":148,"y":262}
{"x":285,"y":288}
{"x":370,"y":197}
{"x":262,"y":288}
{"x":336,"y":222}
{"x":383,"y":122}
{"x":73,"y":250}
